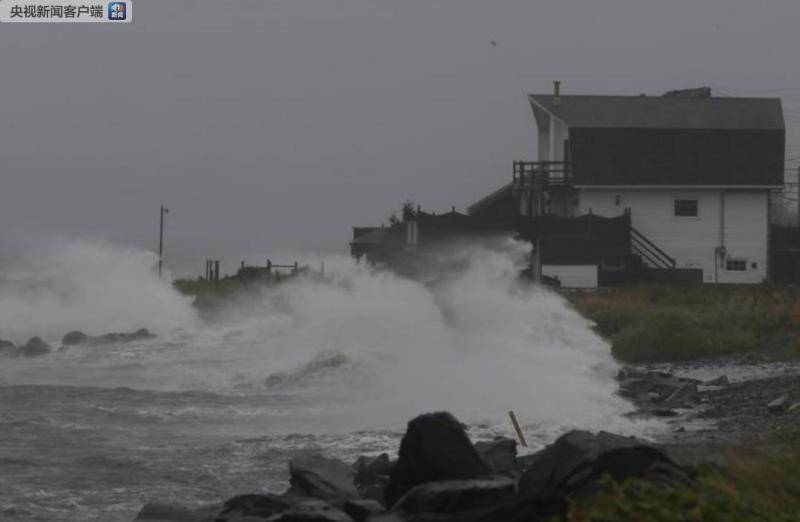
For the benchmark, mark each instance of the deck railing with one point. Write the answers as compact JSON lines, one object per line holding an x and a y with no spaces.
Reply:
{"x":541,"y":174}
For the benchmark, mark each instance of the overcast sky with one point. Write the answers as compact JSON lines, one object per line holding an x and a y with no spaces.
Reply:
{"x":277,"y":125}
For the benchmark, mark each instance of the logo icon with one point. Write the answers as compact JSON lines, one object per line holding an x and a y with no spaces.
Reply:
{"x":117,"y":11}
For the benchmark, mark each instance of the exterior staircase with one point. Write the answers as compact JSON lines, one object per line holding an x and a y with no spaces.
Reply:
{"x":649,"y":252}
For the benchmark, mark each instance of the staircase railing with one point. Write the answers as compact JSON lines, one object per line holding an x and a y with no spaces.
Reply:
{"x":649,"y":251}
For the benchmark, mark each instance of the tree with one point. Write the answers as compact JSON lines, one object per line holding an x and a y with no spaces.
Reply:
{"x":409,"y":210}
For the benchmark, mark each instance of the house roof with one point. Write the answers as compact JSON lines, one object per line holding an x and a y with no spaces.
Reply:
{"x":687,"y":157}
{"x":373,"y":237}
{"x":663,"y":112}
{"x":499,"y":195}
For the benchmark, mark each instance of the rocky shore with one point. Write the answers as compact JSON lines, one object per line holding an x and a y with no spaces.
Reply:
{"x":440,"y":475}
{"x":36,"y":347}
{"x":729,"y":411}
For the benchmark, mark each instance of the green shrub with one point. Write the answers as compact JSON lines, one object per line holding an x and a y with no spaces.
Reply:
{"x":763,"y":486}
{"x":657,"y":323}
{"x":662,"y":335}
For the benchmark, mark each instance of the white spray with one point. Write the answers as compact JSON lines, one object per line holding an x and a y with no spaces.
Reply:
{"x":369,"y":347}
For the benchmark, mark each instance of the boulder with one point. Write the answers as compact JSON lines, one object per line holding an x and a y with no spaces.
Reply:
{"x":636,"y":387}
{"x":35,"y":347}
{"x":370,"y":470}
{"x":722,"y":380}
{"x":114,"y":338}
{"x":684,"y":397}
{"x":252,"y":505}
{"x":322,"y":478}
{"x":372,"y":475}
{"x":311,"y":510}
{"x":779,"y":405}
{"x":360,"y":510}
{"x":258,"y":507}
{"x":455,"y":496}
{"x":7,"y":348}
{"x":628,"y":372}
{"x":158,"y":512}
{"x":662,"y":412}
{"x":576,"y":460}
{"x":434,"y":447}
{"x":74,"y":338}
{"x":500,"y":454}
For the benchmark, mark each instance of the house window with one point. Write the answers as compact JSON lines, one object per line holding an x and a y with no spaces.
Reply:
{"x":736,"y":265}
{"x":686,"y":207}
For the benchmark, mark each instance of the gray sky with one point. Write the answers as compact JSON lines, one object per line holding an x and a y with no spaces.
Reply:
{"x":275,"y":125}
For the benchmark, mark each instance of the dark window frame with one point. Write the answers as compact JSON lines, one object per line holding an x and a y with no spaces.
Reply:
{"x":685,"y":207}
{"x":736,"y":264}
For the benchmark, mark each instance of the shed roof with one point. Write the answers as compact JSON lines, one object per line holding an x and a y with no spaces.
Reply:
{"x":663,"y":112}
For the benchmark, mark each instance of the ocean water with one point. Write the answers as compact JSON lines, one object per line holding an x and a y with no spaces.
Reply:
{"x":335,"y":364}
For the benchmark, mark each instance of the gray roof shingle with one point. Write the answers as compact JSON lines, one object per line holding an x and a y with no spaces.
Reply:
{"x":664,"y":112}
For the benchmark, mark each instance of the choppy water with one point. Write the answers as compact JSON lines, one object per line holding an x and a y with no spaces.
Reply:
{"x":336,"y":365}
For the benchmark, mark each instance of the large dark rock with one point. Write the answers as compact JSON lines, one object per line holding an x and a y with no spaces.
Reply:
{"x":685,"y":396}
{"x":500,"y":454}
{"x":628,"y":372}
{"x":35,"y":347}
{"x":372,"y":469}
{"x":434,"y":447}
{"x":310,"y":510}
{"x":158,"y":512}
{"x":722,"y":380}
{"x":636,"y":387}
{"x":372,"y":475}
{"x":8,"y":349}
{"x":252,"y":505}
{"x":360,"y":510}
{"x":576,"y":460}
{"x":658,"y":392}
{"x":253,"y":508}
{"x":77,"y":338}
{"x":455,"y":496}
{"x":322,"y":478}
{"x":74,"y":338}
{"x":114,"y":338}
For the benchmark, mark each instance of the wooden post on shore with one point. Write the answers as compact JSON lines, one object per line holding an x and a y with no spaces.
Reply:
{"x":216,"y":270}
{"x":517,"y":429}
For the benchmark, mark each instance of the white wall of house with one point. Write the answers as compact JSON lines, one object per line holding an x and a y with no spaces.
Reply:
{"x":735,"y":218}
{"x":573,"y":276}
{"x":551,"y":140}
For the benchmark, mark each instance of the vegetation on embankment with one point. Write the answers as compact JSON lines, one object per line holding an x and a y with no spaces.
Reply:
{"x":210,"y":296}
{"x":762,"y":484}
{"x":202,"y":289}
{"x":661,"y":323}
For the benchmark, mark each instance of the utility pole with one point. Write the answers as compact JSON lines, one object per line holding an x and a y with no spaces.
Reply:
{"x":164,"y":210}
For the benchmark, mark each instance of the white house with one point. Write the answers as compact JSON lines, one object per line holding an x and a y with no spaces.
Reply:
{"x":694,"y":173}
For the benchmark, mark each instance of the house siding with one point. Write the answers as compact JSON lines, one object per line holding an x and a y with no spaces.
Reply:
{"x":691,"y":241}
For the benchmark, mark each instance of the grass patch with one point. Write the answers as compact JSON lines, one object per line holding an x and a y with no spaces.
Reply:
{"x":658,"y":323}
{"x":201,"y":289}
{"x":762,"y":485}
